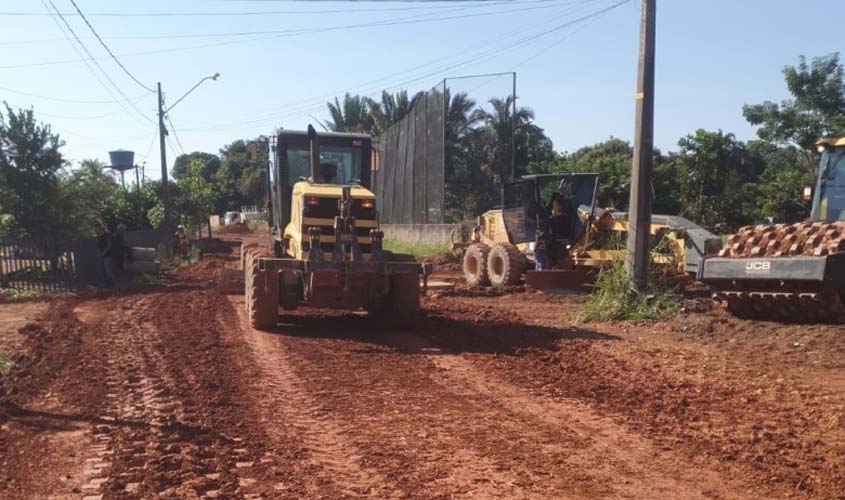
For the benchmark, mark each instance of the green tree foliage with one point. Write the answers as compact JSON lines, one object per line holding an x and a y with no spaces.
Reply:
{"x":391,"y":109}
{"x":30,"y":163}
{"x":196,"y":196}
{"x":240,"y":180}
{"x":816,"y":110}
{"x":715,"y":171}
{"x":210,"y":162}
{"x":779,"y":190}
{"x":352,"y":115}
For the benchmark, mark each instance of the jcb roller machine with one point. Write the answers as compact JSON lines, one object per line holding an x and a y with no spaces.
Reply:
{"x":326,"y":245}
{"x":793,"y":272}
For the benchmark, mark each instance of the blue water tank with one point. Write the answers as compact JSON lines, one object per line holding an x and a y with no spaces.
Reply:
{"x":122,"y":159}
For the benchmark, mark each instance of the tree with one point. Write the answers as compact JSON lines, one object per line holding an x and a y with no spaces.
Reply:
{"x":532,"y":145}
{"x":30,"y":162}
{"x":351,"y":116}
{"x":816,"y":110}
{"x":778,"y":192}
{"x":197,"y":196}
{"x":391,"y":109}
{"x":240,"y":180}
{"x":210,"y":161}
{"x":90,"y":191}
{"x":715,"y":171}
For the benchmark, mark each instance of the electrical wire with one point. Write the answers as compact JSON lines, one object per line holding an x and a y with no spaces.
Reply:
{"x":175,"y":135}
{"x":494,"y":51}
{"x":116,"y":60}
{"x":62,"y":99}
{"x":90,"y":68}
{"x":247,"y":13}
{"x":433,"y":65}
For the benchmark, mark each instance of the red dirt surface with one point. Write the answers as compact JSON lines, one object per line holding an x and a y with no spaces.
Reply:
{"x":165,"y":392}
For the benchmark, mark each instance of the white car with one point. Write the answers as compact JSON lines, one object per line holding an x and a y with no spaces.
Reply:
{"x":230,"y":218}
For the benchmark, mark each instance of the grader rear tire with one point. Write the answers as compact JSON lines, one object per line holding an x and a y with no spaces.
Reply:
{"x":262,"y":292}
{"x":505,"y":265}
{"x":475,"y":265}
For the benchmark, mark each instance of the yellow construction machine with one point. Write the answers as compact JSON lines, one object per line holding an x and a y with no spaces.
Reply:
{"x":550,"y":230}
{"x":325,"y":248}
{"x":790,"y":272}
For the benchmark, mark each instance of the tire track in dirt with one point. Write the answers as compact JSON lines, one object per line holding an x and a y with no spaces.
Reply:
{"x":159,"y":450}
{"x":338,"y":465}
{"x":630,"y":465}
{"x":433,"y":441}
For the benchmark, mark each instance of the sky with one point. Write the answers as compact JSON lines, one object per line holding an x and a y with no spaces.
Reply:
{"x":280,"y":61}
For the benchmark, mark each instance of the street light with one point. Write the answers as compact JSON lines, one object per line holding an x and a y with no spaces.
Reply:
{"x":162,"y":133}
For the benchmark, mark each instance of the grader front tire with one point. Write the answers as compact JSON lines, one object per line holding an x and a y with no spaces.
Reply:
{"x":505,"y":265}
{"x":475,"y":265}
{"x":262,"y":292}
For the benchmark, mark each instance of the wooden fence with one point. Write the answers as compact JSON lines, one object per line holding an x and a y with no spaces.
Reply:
{"x":26,"y":265}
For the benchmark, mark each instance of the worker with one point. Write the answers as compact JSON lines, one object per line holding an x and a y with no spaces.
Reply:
{"x":180,"y":240}
{"x":105,"y":248}
{"x":328,"y":173}
{"x":121,"y":253}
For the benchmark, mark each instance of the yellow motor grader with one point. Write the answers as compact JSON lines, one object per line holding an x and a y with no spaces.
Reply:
{"x":790,"y":272}
{"x":326,"y":244}
{"x":550,"y":230}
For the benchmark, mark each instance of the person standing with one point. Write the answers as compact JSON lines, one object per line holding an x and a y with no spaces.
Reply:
{"x":105,"y":246}
{"x":120,"y":252}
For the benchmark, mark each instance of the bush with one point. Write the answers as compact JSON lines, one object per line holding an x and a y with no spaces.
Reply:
{"x":615,"y":297}
{"x":418,"y":250}
{"x":5,"y":364}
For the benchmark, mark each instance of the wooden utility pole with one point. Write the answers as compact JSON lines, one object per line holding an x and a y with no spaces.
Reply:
{"x":639,"y":215}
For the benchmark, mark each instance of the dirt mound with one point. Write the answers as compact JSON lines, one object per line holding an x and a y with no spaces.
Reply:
{"x":446,"y":262}
{"x":234,"y":229}
{"x":214,"y":245}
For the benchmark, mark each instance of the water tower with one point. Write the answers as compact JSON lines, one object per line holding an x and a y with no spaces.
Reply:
{"x":121,"y":161}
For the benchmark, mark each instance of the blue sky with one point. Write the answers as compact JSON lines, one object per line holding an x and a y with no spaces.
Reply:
{"x":579,"y":76}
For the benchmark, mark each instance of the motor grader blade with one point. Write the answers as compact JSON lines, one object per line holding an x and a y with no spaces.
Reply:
{"x":231,"y":281}
{"x":558,"y":279}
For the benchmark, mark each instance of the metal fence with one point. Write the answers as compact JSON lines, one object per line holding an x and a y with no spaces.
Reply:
{"x":410,"y":180}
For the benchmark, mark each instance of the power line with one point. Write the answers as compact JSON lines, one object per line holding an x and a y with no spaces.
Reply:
{"x":175,"y":135}
{"x":91,"y":69}
{"x":62,"y":99}
{"x":241,"y":13}
{"x":437,"y":64}
{"x":485,"y":54}
{"x":108,"y":49}
{"x":294,"y":32}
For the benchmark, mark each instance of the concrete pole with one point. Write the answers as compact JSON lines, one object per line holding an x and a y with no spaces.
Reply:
{"x":162,"y":132}
{"x":639,"y":217}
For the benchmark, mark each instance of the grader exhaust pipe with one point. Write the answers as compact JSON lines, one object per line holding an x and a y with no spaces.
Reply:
{"x":314,"y":146}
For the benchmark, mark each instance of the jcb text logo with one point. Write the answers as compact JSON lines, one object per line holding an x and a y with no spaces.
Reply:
{"x":758,"y":266}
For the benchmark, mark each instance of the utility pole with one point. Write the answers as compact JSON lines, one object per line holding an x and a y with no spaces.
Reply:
{"x":637,"y":254}
{"x":162,"y":133}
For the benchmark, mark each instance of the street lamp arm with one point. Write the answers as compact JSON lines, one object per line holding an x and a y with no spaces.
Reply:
{"x":215,"y":76}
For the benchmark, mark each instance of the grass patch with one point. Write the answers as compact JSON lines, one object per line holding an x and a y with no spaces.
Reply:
{"x":14,"y":294}
{"x":5,"y":364}
{"x":418,"y":250}
{"x":256,"y":224}
{"x":614,"y":297}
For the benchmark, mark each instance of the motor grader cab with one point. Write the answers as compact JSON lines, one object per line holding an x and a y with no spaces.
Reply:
{"x":326,"y":244}
{"x":790,"y":272}
{"x":550,"y":230}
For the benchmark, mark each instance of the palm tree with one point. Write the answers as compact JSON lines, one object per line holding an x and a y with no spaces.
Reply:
{"x":351,"y":116}
{"x":530,"y":141}
{"x":391,"y":109}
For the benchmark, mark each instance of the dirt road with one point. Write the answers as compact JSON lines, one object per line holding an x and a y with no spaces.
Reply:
{"x":165,"y":392}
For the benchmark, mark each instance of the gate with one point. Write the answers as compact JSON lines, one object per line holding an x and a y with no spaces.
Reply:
{"x":46,"y":268}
